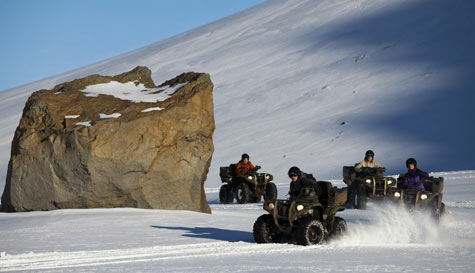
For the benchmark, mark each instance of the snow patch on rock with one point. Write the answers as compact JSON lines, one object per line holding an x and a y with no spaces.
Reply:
{"x":132,"y":91}
{"x":151,"y":109}
{"x":84,"y":123}
{"x":114,"y":115}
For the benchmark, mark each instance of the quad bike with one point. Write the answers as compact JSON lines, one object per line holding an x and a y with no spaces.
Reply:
{"x":416,"y":199}
{"x":245,"y":188}
{"x":306,"y":219}
{"x":367,"y":183}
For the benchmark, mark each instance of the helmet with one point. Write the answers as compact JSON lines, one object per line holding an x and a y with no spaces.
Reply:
{"x":244,"y":156}
{"x":369,"y":153}
{"x":411,"y":161}
{"x":294,"y":171}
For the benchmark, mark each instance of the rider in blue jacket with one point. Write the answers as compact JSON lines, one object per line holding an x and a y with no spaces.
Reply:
{"x":414,"y":175}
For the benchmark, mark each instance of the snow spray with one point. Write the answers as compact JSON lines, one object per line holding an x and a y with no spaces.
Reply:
{"x":391,"y":225}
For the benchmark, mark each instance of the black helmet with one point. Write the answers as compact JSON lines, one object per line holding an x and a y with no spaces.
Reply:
{"x":369,"y":153}
{"x":244,"y":156}
{"x":411,"y":161}
{"x":294,"y":171}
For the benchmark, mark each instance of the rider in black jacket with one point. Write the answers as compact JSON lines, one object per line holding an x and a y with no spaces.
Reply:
{"x":300,"y":181}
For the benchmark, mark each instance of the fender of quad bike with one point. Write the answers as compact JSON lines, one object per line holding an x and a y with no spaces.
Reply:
{"x":370,"y":182}
{"x":418,"y":201}
{"x":296,"y":210}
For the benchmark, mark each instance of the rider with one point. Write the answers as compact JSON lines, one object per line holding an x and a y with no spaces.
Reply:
{"x":413,"y":176}
{"x":368,"y":161}
{"x":302,"y":180}
{"x":244,"y":166}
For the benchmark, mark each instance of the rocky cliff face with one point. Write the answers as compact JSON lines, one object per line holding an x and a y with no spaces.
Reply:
{"x":119,"y":141}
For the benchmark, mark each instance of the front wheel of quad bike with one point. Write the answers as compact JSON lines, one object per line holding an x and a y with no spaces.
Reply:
{"x":309,"y":231}
{"x":243,"y":194}
{"x":439,"y":212}
{"x":265,"y":231}
{"x":256,"y":199}
{"x":225,"y":194}
{"x":361,"y":198}
{"x":350,"y":198}
{"x":271,"y":192}
{"x":339,"y":227}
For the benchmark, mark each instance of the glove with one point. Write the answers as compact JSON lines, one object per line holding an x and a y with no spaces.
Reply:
{"x":257,"y":168}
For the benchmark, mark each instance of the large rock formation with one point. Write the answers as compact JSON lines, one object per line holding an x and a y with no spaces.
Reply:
{"x":119,"y":141}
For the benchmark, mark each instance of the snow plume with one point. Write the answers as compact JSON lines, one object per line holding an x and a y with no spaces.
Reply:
{"x":391,"y":225}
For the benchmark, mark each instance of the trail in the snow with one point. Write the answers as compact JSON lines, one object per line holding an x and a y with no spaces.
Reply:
{"x":55,"y":260}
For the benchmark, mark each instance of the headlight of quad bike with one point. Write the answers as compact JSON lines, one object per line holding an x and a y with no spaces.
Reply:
{"x":300,"y":207}
{"x":390,"y":181}
{"x":423,"y":196}
{"x":267,"y":176}
{"x":397,"y":194}
{"x":368,"y":181}
{"x":271,"y":205}
{"x":249,"y":177}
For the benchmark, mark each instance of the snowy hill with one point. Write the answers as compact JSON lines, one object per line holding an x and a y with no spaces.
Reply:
{"x":307,"y":83}
{"x":317,"y":83}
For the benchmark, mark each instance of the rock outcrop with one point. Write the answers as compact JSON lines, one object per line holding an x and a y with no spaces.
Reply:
{"x":120,"y":141}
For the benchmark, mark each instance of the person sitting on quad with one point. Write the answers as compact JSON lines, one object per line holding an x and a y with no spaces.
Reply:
{"x":301,"y":180}
{"x":244,"y":166}
{"x":413,"y":176}
{"x":368,"y":162}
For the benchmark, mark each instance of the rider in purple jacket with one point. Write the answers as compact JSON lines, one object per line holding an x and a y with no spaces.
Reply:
{"x":414,"y":175}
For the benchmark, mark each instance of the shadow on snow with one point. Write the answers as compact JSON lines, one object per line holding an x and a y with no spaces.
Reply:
{"x":213,"y":233}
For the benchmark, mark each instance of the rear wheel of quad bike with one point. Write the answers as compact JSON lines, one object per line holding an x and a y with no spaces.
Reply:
{"x":361,"y":198}
{"x":265,"y":231}
{"x":225,"y":195}
{"x":339,"y":227}
{"x":309,"y":231}
{"x":243,"y":193}
{"x":271,"y":192}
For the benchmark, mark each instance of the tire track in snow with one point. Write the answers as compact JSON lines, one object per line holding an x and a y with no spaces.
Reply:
{"x":55,"y":260}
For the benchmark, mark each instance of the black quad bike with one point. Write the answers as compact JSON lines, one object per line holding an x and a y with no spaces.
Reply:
{"x":367,"y":183}
{"x":245,"y":188}
{"x":305,"y":219}
{"x":416,"y":199}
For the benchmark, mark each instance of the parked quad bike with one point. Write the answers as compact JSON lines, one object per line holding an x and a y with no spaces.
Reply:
{"x":367,"y":183}
{"x":306,"y":219}
{"x":245,"y":188}
{"x":415,"y":199}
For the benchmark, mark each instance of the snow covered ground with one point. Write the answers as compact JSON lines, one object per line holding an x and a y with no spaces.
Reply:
{"x":381,"y":239}
{"x":297,"y":82}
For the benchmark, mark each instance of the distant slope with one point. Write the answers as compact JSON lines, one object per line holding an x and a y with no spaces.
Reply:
{"x":317,"y":83}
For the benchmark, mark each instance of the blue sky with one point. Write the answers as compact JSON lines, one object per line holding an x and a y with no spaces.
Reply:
{"x":42,"y":38}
